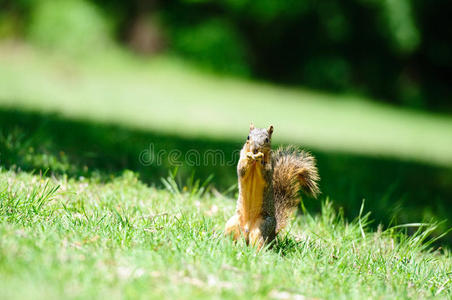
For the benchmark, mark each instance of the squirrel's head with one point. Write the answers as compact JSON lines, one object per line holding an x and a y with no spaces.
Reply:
{"x":259,"y":139}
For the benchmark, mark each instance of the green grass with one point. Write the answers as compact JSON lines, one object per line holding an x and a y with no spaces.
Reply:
{"x":89,"y":229}
{"x":79,"y":238}
{"x":395,"y":191}
{"x":165,"y":95}
{"x":93,"y":115}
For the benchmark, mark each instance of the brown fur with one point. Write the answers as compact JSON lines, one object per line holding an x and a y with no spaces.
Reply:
{"x":294,"y":170}
{"x":269,"y":185}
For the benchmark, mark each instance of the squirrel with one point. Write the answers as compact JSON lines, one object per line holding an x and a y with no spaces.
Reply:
{"x":269,"y":185}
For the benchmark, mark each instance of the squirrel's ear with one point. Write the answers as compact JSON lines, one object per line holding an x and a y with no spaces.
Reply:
{"x":251,"y":126}
{"x":270,"y":130}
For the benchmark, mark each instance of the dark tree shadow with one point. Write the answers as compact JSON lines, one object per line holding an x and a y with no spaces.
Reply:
{"x":395,"y":191}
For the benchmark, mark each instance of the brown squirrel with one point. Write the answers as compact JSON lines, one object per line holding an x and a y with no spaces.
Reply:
{"x":269,"y":186}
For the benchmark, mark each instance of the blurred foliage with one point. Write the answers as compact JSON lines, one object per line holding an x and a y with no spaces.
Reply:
{"x":70,"y":25}
{"x":403,"y":31}
{"x":214,"y":44}
{"x":398,"y":50}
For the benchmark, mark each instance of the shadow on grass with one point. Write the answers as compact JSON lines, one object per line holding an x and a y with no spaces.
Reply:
{"x":395,"y":191}
{"x":287,"y":245}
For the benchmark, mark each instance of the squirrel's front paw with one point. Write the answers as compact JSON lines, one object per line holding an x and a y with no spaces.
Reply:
{"x":259,"y":156}
{"x":250,"y":155}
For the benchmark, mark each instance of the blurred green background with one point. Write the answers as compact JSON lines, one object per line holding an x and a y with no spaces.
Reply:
{"x":86,"y":86}
{"x":393,"y":50}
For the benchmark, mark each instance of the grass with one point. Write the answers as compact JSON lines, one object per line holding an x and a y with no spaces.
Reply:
{"x":67,"y":238}
{"x":75,"y":223}
{"x":166,"y":96}
{"x":395,"y":191}
{"x":93,"y":116}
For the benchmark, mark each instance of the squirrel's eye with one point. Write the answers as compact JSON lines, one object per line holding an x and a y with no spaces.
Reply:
{"x":248,"y":138}
{"x":266,"y":140}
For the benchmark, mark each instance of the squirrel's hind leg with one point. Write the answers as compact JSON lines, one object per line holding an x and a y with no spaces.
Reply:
{"x":233,"y":227}
{"x":262,"y":231}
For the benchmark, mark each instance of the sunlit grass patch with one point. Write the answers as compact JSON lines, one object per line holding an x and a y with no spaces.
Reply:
{"x":167,"y":96}
{"x":73,"y":238}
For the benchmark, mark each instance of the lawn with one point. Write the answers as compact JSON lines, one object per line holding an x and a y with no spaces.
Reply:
{"x":95,"y":115}
{"x":81,"y":216}
{"x":167,"y":96}
{"x":72,"y":239}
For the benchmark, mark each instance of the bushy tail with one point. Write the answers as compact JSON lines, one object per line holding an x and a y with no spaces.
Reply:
{"x":294,"y":170}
